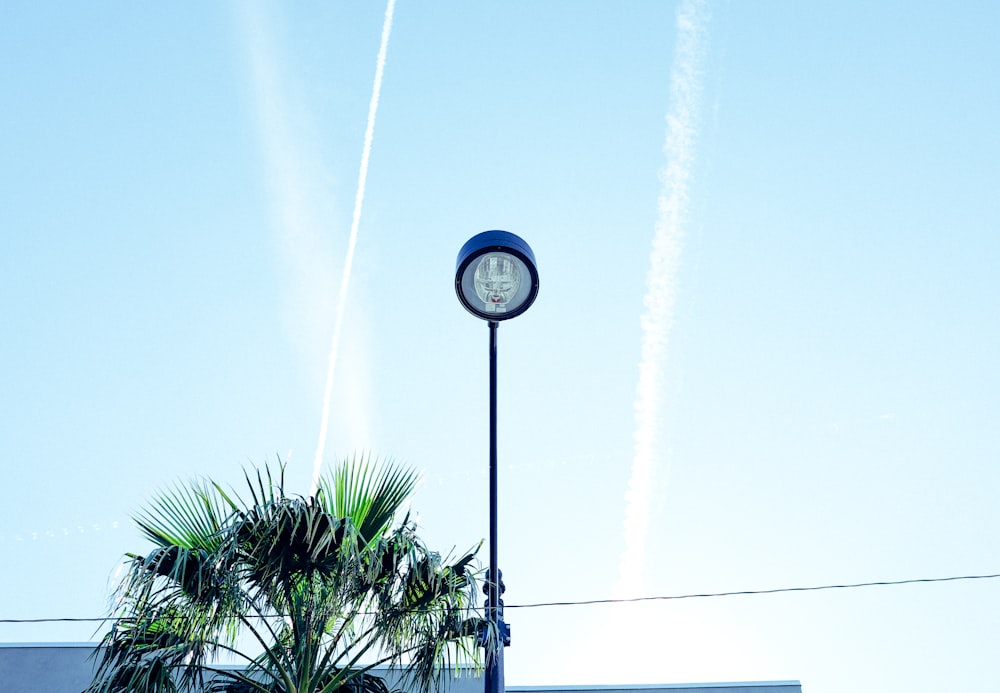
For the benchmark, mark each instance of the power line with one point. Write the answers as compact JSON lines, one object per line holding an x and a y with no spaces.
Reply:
{"x":587,"y":602}
{"x":778,"y":590}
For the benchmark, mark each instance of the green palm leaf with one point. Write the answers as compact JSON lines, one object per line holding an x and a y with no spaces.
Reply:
{"x":371,"y":494}
{"x":187,"y":516}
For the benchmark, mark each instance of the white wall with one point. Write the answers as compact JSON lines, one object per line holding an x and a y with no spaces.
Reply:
{"x":65,"y":668}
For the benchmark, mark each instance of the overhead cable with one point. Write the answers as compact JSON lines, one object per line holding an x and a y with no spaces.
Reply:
{"x":587,"y":602}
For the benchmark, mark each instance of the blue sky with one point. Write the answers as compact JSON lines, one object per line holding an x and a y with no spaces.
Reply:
{"x":178,"y":185}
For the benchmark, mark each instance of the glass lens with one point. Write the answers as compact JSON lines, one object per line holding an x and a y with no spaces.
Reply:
{"x":497,"y":279}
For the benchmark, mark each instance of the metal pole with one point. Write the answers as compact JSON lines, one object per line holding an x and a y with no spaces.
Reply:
{"x":494,"y":614}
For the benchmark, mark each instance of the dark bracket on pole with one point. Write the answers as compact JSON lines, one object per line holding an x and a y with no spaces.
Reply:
{"x":503,"y":628}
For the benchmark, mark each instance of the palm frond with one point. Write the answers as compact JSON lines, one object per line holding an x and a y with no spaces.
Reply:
{"x":368,"y":492}
{"x":189,"y":516}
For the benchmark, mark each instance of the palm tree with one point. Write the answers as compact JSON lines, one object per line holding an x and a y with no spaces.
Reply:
{"x":324,"y":587}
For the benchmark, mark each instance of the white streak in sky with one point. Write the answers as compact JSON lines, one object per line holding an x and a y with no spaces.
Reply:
{"x":661,"y":282}
{"x":352,"y":243}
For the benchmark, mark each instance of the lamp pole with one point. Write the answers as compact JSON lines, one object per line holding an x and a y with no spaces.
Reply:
{"x":494,"y":682}
{"x":495,"y":279}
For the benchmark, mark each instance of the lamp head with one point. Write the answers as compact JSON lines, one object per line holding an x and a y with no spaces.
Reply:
{"x":496,"y":277}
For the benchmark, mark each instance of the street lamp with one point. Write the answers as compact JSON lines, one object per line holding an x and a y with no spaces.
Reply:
{"x":495,"y":279}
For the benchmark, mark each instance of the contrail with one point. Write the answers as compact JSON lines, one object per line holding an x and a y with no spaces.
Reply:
{"x":661,"y":282}
{"x":352,"y":242}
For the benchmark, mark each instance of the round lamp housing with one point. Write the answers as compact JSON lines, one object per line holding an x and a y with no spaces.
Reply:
{"x":496,"y":277}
